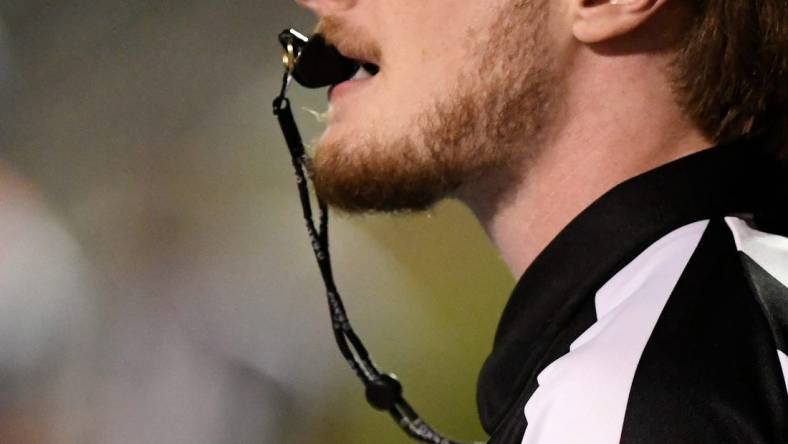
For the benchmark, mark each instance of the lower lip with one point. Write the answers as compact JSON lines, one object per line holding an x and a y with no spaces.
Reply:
{"x":347,"y":87}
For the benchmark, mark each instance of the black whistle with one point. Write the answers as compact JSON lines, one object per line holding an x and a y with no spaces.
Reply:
{"x":313,"y":62}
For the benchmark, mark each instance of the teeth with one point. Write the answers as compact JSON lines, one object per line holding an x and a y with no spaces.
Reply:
{"x":361,"y":74}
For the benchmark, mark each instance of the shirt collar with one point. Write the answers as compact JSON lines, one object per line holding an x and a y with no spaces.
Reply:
{"x":730,"y":179}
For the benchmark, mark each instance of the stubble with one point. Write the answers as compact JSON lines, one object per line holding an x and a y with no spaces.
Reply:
{"x":487,"y":131}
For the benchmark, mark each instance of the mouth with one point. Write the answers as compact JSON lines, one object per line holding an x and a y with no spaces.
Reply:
{"x":367,"y":71}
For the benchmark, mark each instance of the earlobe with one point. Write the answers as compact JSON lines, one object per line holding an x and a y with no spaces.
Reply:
{"x":596,"y":21}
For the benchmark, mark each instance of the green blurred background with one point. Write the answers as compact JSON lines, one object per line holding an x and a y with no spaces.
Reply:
{"x":141,"y":133}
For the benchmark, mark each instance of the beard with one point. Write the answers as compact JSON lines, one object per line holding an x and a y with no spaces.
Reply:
{"x":487,"y":131}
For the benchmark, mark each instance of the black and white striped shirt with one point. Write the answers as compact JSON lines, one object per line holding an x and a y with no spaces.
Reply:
{"x":659,"y":315}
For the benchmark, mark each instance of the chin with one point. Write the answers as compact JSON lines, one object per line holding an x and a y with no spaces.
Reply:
{"x":332,"y":141}
{"x":344,"y":137}
{"x":339,"y":128}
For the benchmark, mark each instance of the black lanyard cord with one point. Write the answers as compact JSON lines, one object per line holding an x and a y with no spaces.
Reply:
{"x":383,"y":392}
{"x":357,"y":357}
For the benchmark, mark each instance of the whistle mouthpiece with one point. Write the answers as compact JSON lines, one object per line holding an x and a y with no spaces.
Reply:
{"x":313,"y":62}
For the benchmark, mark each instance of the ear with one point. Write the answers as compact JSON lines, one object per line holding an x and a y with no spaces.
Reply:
{"x":596,"y":21}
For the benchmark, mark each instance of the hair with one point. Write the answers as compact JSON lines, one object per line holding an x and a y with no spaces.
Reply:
{"x":731,"y":71}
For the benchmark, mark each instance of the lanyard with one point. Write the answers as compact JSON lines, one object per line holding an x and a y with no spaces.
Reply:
{"x":383,"y":391}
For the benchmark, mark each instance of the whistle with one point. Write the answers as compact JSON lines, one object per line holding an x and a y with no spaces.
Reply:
{"x":313,"y":62}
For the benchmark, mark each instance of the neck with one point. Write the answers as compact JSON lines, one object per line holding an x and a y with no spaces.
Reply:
{"x":600,"y":144}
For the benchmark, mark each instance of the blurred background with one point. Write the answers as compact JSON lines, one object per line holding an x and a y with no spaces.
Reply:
{"x":156,"y":283}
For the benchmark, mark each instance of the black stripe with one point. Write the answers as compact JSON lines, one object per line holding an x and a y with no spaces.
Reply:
{"x":774,"y":299}
{"x":514,"y":424}
{"x":710,"y":371}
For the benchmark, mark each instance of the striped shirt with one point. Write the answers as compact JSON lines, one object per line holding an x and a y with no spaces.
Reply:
{"x":658,"y":315}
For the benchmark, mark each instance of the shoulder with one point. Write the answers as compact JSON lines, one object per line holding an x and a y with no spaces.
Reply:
{"x":713,"y":367}
{"x":764,"y":259}
{"x":681,"y":352}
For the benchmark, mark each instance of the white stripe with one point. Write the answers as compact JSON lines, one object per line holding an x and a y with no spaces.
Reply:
{"x":582,"y":396}
{"x":768,"y":250}
{"x":784,"y":364}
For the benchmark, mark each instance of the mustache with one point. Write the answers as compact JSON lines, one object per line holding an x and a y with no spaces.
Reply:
{"x":352,"y":41}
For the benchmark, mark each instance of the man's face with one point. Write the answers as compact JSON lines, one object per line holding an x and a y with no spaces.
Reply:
{"x":464,"y":87}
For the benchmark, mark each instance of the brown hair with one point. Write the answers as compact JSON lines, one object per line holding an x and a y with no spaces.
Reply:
{"x":731,"y":72}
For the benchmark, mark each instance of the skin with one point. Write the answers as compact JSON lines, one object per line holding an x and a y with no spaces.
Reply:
{"x":615,"y":113}
{"x":412,"y":36}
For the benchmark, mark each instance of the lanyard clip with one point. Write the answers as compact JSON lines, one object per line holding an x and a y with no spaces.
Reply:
{"x":293,"y":43}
